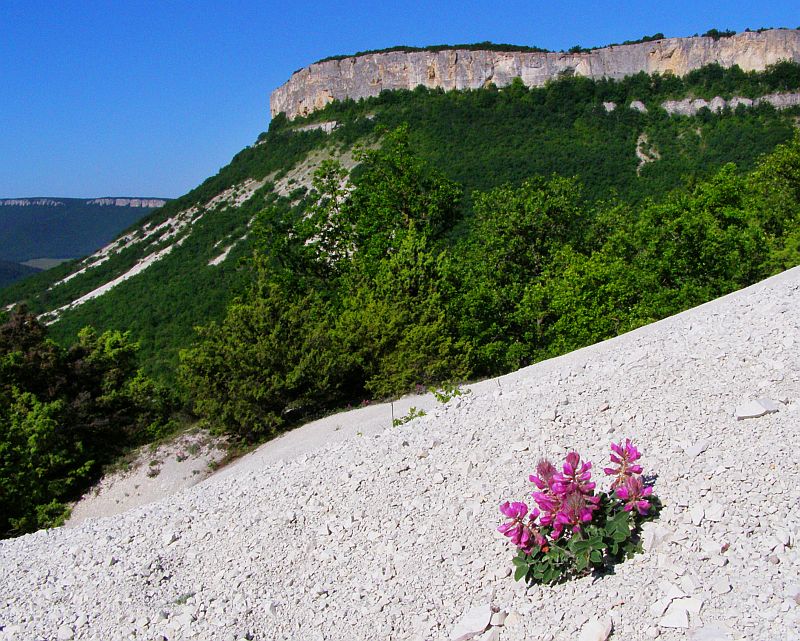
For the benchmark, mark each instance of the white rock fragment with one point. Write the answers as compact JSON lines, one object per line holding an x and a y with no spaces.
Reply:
{"x":549,"y":414}
{"x":696,"y":514}
{"x":65,"y":633}
{"x":756,"y":409}
{"x":714,"y":512}
{"x":654,"y":536}
{"x":697,"y":448}
{"x":670,"y":590}
{"x":472,"y":623}
{"x":721,"y":586}
{"x":596,"y":630}
{"x":492,"y":634}
{"x":659,"y":607}
{"x":499,"y":618}
{"x":676,"y":616}
{"x":692,"y":604}
{"x":710,"y":633}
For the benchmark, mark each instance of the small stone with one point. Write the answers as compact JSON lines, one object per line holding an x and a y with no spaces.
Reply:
{"x":654,"y":536}
{"x":756,"y":409}
{"x":472,"y":623}
{"x":437,"y":478}
{"x":519,"y":446}
{"x":596,"y":630}
{"x":693,"y":604}
{"x":696,"y":514}
{"x":549,"y":415}
{"x":675,"y":617}
{"x":715,"y":512}
{"x":169,"y":538}
{"x":721,"y":586}
{"x":687,"y":584}
{"x":652,"y":632}
{"x":659,"y":607}
{"x":65,"y":633}
{"x":697,"y":448}
{"x":514,"y":619}
{"x":501,"y":573}
{"x":709,"y":633}
{"x":492,"y":634}
{"x":183,"y":620}
{"x":499,"y":618}
{"x":670,"y":590}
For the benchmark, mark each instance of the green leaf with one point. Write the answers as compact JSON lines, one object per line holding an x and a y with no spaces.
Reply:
{"x":520,"y":572}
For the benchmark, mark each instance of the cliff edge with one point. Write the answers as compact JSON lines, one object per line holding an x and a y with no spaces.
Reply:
{"x":367,"y":75}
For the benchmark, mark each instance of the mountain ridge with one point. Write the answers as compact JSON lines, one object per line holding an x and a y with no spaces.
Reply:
{"x":117,"y":201}
{"x":318,"y":84}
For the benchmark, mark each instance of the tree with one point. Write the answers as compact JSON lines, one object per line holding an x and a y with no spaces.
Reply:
{"x":64,"y":414}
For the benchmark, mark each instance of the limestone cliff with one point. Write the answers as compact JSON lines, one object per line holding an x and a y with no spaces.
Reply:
{"x":360,"y":77}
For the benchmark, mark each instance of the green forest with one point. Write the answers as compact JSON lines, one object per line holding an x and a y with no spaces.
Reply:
{"x":478,"y":232}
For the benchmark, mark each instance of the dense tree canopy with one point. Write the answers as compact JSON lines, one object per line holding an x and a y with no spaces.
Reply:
{"x":400,"y":302}
{"x":63,"y":414}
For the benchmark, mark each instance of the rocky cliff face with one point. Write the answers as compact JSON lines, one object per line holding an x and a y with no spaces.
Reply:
{"x":315,"y":86}
{"x":127,"y":202}
{"x":109,"y":202}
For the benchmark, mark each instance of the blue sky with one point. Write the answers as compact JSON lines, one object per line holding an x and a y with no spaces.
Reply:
{"x":150,"y":98}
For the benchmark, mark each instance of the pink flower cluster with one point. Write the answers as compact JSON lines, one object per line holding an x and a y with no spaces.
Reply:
{"x":566,"y":500}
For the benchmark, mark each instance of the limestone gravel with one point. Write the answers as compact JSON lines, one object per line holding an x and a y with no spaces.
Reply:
{"x":365,"y":539}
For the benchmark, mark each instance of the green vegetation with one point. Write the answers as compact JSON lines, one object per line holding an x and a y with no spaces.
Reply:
{"x":716,"y":34}
{"x":64,"y":413}
{"x":371,"y":293}
{"x":478,"y":140}
{"x":413,"y":413}
{"x":479,"y":231}
{"x":474,"y":46}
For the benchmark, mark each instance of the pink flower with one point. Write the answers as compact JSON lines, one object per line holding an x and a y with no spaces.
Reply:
{"x":545,"y":471}
{"x":575,"y":511}
{"x":634,"y":493}
{"x":566,"y":498}
{"x":575,"y":477}
{"x":623,"y":456}
{"x":524,"y":535}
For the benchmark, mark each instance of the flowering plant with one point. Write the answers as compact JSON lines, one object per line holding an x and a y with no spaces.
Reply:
{"x":573,"y":530}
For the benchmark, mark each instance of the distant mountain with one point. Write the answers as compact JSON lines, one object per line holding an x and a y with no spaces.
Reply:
{"x":44,"y":231}
{"x":9,"y":272}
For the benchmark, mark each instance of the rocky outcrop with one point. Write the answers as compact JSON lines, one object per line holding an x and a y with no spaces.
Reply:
{"x":690,"y":106}
{"x":28,"y":202}
{"x":113,"y":202}
{"x":358,"y":77}
{"x":128,"y":202}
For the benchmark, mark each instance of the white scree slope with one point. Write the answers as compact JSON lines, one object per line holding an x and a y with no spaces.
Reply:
{"x":392,"y":535}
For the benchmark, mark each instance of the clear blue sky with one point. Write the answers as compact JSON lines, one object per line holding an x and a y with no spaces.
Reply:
{"x":150,"y":98}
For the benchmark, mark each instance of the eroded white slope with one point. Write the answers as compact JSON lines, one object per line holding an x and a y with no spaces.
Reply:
{"x":392,"y":535}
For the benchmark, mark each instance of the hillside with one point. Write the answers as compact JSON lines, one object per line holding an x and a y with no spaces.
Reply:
{"x":41,"y":232}
{"x":182,"y":264}
{"x":392,"y":535}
